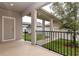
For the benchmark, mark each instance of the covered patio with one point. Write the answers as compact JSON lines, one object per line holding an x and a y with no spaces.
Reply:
{"x":15,"y":11}
{"x":11,"y":14}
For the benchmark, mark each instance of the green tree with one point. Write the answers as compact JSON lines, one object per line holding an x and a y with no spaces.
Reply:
{"x":67,"y":12}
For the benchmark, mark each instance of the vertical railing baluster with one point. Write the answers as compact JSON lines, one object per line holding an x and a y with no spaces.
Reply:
{"x":64,"y":41}
{"x":74,"y":39}
{"x":67,"y":43}
{"x":53,"y":39}
{"x":46,"y":38}
{"x":59,"y":38}
{"x":71,"y":42}
{"x":78,"y":44}
{"x":75,"y":46}
{"x":61,"y":42}
{"x":49,"y":40}
{"x":58,"y":41}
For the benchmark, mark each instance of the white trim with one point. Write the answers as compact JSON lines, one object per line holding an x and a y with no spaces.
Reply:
{"x":3,"y":27}
{"x":14,"y":28}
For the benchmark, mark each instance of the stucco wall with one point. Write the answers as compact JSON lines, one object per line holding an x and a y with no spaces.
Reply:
{"x":18,"y":18}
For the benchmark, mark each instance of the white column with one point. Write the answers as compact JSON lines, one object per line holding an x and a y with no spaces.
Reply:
{"x":43,"y":28}
{"x":33,"y":22}
{"x":51,"y":25}
{"x":43,"y":25}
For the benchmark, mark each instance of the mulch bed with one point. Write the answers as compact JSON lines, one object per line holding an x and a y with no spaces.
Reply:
{"x":72,"y":45}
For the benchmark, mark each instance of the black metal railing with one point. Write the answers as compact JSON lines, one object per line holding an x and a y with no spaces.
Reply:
{"x":60,"y":41}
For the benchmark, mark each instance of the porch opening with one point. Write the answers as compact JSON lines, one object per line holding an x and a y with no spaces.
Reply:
{"x":27,"y":28}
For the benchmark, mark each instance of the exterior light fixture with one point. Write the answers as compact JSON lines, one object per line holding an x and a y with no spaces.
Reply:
{"x":11,"y":4}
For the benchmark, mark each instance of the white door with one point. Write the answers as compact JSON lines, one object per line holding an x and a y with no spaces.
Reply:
{"x":8,"y":28}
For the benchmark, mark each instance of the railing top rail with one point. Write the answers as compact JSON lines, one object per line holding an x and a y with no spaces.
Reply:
{"x":58,"y":31}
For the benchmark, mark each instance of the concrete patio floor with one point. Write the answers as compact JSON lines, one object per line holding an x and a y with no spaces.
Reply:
{"x":21,"y":48}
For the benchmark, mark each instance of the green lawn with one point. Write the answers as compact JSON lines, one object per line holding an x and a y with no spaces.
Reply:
{"x":59,"y":46}
{"x":28,"y":37}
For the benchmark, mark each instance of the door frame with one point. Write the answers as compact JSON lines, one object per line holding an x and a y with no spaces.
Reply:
{"x":3,"y":18}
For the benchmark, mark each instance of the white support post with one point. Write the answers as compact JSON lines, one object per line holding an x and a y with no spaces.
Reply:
{"x":43,"y":25}
{"x":33,"y":22}
{"x":43,"y":28}
{"x":51,"y":25}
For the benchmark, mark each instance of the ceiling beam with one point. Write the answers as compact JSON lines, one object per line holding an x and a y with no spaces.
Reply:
{"x":34,"y":6}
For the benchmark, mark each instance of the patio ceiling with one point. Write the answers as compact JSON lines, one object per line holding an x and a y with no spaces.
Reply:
{"x":21,"y":6}
{"x":25,"y":7}
{"x":43,"y":14}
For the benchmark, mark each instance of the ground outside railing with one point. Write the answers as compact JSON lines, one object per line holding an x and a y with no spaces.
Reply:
{"x":60,"y":42}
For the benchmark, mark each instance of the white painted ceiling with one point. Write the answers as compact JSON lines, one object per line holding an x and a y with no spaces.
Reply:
{"x":20,"y":6}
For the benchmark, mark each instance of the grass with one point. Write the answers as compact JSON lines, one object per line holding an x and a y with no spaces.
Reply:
{"x":59,"y":46}
{"x":28,"y":37}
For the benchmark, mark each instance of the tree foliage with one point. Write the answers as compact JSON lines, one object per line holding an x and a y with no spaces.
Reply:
{"x":67,"y":12}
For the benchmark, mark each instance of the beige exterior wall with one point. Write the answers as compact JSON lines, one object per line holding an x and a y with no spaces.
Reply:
{"x":18,"y":18}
